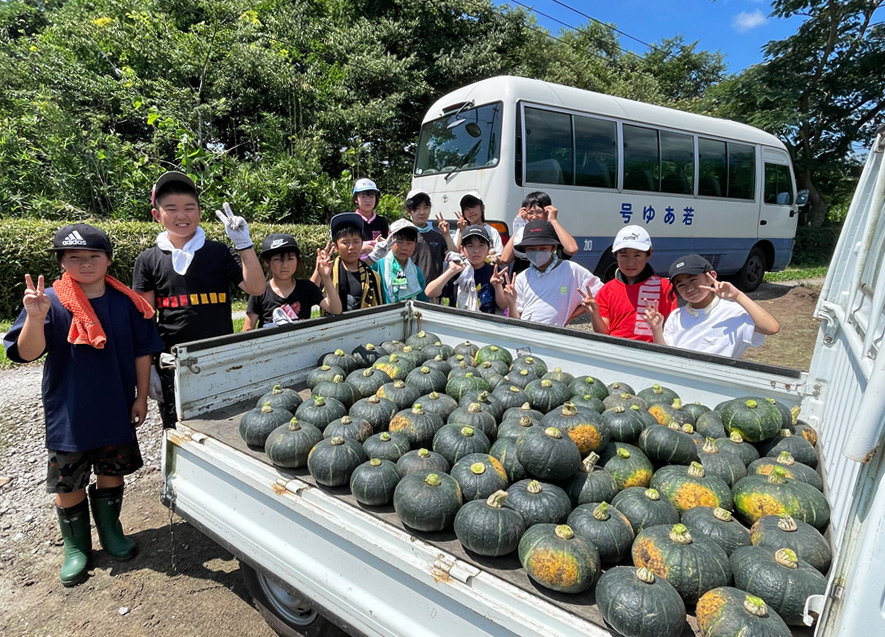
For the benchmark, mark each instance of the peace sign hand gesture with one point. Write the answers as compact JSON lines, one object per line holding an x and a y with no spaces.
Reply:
{"x":324,"y":262}
{"x":236,"y":227}
{"x":36,"y":301}
{"x":652,"y":315}
{"x":442,"y":224}
{"x":722,"y":289}
{"x":462,"y":220}
{"x":588,"y":301}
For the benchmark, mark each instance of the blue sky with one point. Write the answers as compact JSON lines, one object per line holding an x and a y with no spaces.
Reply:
{"x":737,"y":28}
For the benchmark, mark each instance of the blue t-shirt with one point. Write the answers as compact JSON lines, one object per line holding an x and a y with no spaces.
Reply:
{"x":88,"y":393}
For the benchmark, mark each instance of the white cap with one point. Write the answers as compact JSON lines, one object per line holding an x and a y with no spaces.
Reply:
{"x":414,"y":192}
{"x":399,"y":225}
{"x":635,"y":237}
{"x":363,"y":185}
{"x":474,"y":194}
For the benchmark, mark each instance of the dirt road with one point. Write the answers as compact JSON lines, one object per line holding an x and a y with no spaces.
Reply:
{"x":180,"y":583}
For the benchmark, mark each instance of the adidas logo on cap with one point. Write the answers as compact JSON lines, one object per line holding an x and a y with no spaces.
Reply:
{"x":74,"y":239}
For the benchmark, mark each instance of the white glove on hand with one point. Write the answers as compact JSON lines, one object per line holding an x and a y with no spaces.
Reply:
{"x":155,"y":388}
{"x":381,"y":248}
{"x":236,"y":227}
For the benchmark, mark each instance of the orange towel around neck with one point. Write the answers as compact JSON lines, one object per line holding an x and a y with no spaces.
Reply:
{"x":85,"y":327}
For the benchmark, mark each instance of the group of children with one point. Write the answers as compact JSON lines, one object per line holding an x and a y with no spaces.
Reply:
{"x":104,"y":339}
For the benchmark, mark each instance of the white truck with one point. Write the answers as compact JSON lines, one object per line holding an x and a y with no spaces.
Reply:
{"x":316,"y":561}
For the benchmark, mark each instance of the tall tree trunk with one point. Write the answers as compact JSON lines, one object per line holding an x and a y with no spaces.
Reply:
{"x":818,"y":205}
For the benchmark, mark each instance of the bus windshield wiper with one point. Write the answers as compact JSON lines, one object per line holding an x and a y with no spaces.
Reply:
{"x":464,"y":159}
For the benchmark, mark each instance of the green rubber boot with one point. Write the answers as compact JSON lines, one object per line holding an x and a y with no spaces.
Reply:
{"x":77,"y":535}
{"x":106,"y":505}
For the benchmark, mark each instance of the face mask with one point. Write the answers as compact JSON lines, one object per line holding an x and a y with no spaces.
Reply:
{"x":539,"y":259}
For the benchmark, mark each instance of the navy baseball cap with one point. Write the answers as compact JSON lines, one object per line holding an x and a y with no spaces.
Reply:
{"x":81,"y":236}
{"x":690,"y":264}
{"x":279,"y":242}
{"x":173,"y":176}
{"x":343,"y":219}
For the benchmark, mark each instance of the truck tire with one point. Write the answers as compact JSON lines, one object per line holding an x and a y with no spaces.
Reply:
{"x":287,"y":614}
{"x":606,"y":267}
{"x":751,"y":275}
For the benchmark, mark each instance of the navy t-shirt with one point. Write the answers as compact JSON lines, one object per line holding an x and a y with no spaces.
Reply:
{"x":88,"y":393}
{"x":485,"y":291}
{"x":196,"y":305}
{"x":302,"y":298}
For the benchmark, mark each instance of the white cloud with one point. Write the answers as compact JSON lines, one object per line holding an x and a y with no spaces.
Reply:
{"x":746,"y":20}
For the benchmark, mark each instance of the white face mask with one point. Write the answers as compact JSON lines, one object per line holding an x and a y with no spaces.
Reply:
{"x":539,"y":258}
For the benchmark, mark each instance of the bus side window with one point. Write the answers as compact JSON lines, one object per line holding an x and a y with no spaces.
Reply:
{"x":741,"y":171}
{"x":642,"y":159}
{"x":712,"y":165}
{"x":677,"y":163}
{"x":596,"y":149}
{"x":548,"y":145}
{"x":778,"y":185}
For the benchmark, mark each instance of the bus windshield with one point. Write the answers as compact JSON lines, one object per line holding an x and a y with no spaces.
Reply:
{"x":469,"y":138}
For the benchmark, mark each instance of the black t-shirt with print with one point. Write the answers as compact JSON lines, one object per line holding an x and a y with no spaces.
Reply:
{"x":430,"y":254}
{"x":485,"y":291}
{"x":354,"y":290}
{"x":302,"y":298}
{"x":376,"y":228}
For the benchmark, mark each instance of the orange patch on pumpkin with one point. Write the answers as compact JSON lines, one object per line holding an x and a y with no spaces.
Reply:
{"x":758,"y":505}
{"x":646,"y":554}
{"x":497,"y":466}
{"x":709,"y":608}
{"x":692,"y":495}
{"x":640,"y":478}
{"x":586,"y":437}
{"x":398,"y":423}
{"x":552,"y":568}
{"x":660,"y":414}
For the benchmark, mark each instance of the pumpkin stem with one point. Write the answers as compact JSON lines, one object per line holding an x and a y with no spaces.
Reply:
{"x":346,"y":420}
{"x":688,"y":429}
{"x":422,"y":334}
{"x":338,"y":378}
{"x":425,"y":370}
{"x":680,"y":534}
{"x":736,"y":437}
{"x":710,"y":446}
{"x":432,"y":480}
{"x":318,"y":401}
{"x":564,"y":532}
{"x":477,"y":468}
{"x":645,"y":575}
{"x":786,"y":458}
{"x":374,"y":399}
{"x":569,"y":409}
{"x":370,"y":346}
{"x":794,"y":412}
{"x":417,"y":409}
{"x":788,"y":524}
{"x":474,"y":408}
{"x":623,"y":453}
{"x":525,"y":421}
{"x":534,"y":487}
{"x":752,"y":404}
{"x":755,"y":606}
{"x":483,"y":396}
{"x":384,"y":436}
{"x":696,"y":470}
{"x":524,"y":372}
{"x":399,"y":383}
{"x":526,"y":406}
{"x":635,"y":407}
{"x":674,"y":426}
{"x":375,"y":462}
{"x":293,"y":425}
{"x":368,"y":372}
{"x":677,"y":403}
{"x":619,"y":409}
{"x":277,"y":389}
{"x":336,"y":441}
{"x":786,"y":557}
{"x":553,"y":432}
{"x":546,"y":383}
{"x":777,"y":476}
{"x":601,"y":512}
{"x":722,"y":514}
{"x":466,"y":431}
{"x":514,"y":389}
{"x":423,"y":453}
{"x":652,"y":494}
{"x":657,"y":389}
{"x":266,"y":408}
{"x":589,"y":462}
{"x":785,"y":433}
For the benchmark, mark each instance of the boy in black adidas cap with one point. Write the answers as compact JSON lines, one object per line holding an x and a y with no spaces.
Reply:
{"x":99,"y":338}
{"x":287,"y":299}
{"x":187,"y":277}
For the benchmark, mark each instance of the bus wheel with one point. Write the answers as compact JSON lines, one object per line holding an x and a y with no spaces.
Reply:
{"x":607,"y":267}
{"x":286,"y":613}
{"x":750,"y":277}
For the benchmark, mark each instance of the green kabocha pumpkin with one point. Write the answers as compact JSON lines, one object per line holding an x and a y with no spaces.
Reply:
{"x":799,"y":448}
{"x":547,"y":453}
{"x":524,"y":410}
{"x":438,"y":403}
{"x":437,"y":348}
{"x":710,"y":425}
{"x":453,"y":442}
{"x":689,"y":487}
{"x":788,"y":416}
{"x":460,"y":365}
{"x":485,"y":400}
{"x":479,"y":475}
{"x":755,"y":419}
{"x":618,"y":387}
{"x":806,"y":431}
{"x":736,"y":444}
{"x":467,"y":349}
{"x":340,"y":358}
{"x":473,"y":416}
{"x":509,"y":396}
{"x":668,"y":414}
{"x":339,"y":389}
{"x":728,"y":612}
{"x":488,"y":369}
{"x":348,"y":427}
{"x":486,"y":527}
{"x":727,"y":466}
{"x":426,"y":379}
{"x":513,"y":428}
{"x":776,"y":532}
{"x":546,"y":394}
{"x":416,"y":425}
{"x":606,"y":527}
{"x":556,"y":558}
{"x":427,"y":501}
{"x":504,"y":449}
{"x":718,"y":525}
{"x":667,"y":445}
{"x":589,"y":386}
{"x":395,"y":366}
{"x":494,"y":380}
{"x":645,"y":508}
{"x":792,"y":469}
{"x":440,"y":363}
{"x":627,"y":464}
{"x":320,"y":411}
{"x":257,"y":424}
{"x":591,"y":484}
{"x":367,"y":381}
{"x":756,"y":496}
{"x":625,"y":424}
{"x":457,"y":386}
{"x":530,"y":363}
{"x":421,"y":460}
{"x":588,"y":402}
{"x":281,"y":398}
{"x":658,"y":395}
{"x":625,"y":400}
{"x":414,"y":356}
{"x":557,"y":373}
{"x":585,"y":428}
{"x":635,"y":602}
{"x":692,"y":565}
{"x":376,"y":410}
{"x":386,"y":446}
{"x":696,"y":410}
{"x":393,"y":346}
{"x":332,"y":460}
{"x":778,"y":577}
{"x":521,"y":378}
{"x":287,"y":446}
{"x":493,"y":353}
{"x":421,"y":339}
{"x":366,"y":355}
{"x":402,"y":394}
{"x":324,"y":373}
{"x":373,"y":482}
{"x":539,"y":502}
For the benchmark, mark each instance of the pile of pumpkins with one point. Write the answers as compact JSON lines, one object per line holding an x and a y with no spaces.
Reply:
{"x":574,"y":474}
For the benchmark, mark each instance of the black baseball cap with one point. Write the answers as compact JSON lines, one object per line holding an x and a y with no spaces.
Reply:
{"x":475,"y":231}
{"x":343,"y":219}
{"x":81,"y":236}
{"x":538,"y":232}
{"x":173,"y":176}
{"x":690,"y":264}
{"x":279,"y":242}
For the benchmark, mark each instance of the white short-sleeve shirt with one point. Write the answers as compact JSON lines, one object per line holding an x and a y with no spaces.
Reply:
{"x":723,"y":328}
{"x":550,"y":297}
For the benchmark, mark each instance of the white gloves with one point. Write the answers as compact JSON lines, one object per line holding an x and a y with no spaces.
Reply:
{"x":381,"y":248}
{"x":155,"y":388}
{"x":236,"y":227}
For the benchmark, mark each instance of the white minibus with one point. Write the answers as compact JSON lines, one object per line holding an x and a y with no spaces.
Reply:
{"x":698,"y":184}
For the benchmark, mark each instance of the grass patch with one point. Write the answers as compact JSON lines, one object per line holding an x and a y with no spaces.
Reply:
{"x":797,"y":274}
{"x":238,"y":305}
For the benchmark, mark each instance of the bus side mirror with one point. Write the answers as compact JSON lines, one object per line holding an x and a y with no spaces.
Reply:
{"x":801,"y":197}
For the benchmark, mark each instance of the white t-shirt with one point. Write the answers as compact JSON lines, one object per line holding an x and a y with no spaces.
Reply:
{"x":723,"y":328}
{"x":497,"y":245}
{"x":550,"y":297}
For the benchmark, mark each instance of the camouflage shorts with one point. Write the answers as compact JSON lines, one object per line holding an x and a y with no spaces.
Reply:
{"x":69,"y":471}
